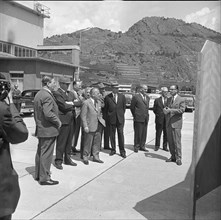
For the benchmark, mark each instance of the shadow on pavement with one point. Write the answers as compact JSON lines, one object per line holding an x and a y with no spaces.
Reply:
{"x":31,"y":171}
{"x":172,"y":203}
{"x":157,"y":156}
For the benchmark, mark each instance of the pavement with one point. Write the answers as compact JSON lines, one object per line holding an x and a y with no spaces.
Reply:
{"x":141,"y":186}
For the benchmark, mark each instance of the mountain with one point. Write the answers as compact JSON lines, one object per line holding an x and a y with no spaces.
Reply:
{"x":155,"y":50}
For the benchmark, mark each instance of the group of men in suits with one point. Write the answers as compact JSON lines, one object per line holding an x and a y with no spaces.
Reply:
{"x":59,"y":113}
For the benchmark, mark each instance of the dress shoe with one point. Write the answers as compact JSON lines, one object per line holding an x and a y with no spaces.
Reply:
{"x":165,"y":149}
{"x":58,"y":166}
{"x":69,"y":162}
{"x":49,"y":182}
{"x":98,"y":161}
{"x":86,"y":162}
{"x":178,"y":162}
{"x":170,"y":160}
{"x":136,"y":150}
{"x":156,"y":148}
{"x":123,"y":155}
{"x":144,"y":149}
{"x":112,"y":153}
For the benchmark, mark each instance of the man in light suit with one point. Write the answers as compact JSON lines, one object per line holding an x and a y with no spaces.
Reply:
{"x":160,"y":119}
{"x":93,"y":123}
{"x":140,"y":110}
{"x":77,"y":119}
{"x":66,"y":109}
{"x":115,"y":107}
{"x":47,"y":129}
{"x":175,"y":120}
{"x":12,"y":130}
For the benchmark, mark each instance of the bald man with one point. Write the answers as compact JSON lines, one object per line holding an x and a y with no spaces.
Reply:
{"x":160,"y":119}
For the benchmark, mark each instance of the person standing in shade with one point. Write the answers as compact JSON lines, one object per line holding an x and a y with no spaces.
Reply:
{"x":174,"y":114}
{"x":106,"y":131}
{"x":115,"y":107}
{"x":16,"y":94}
{"x":66,"y":108}
{"x":47,"y":129}
{"x":140,"y":110}
{"x":160,"y":119}
{"x":93,"y":123}
{"x":77,"y":120}
{"x":12,"y":130}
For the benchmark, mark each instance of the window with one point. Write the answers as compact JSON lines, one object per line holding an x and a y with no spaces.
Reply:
{"x":1,"y":47}
{"x":27,"y":53}
{"x":19,"y":52}
{"x":4,"y":48}
{"x":23,"y":54}
{"x":16,"y":51}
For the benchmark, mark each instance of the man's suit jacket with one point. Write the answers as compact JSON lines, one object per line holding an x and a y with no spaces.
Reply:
{"x":91,"y":115}
{"x":158,"y":110}
{"x":115,"y":110}
{"x":140,"y":108}
{"x":177,"y":109}
{"x":46,"y":114}
{"x":12,"y":130}
{"x":66,"y":111}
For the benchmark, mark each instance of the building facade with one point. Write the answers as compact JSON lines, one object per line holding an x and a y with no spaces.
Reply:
{"x":21,"y":40}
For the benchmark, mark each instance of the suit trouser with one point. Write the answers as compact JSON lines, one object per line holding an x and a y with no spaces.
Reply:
{"x":92,"y":143}
{"x":140,"y":134}
{"x":161,"y":127}
{"x":43,"y":158}
{"x":76,"y":131}
{"x":64,"y":140}
{"x":106,"y":134}
{"x":174,"y":140}
{"x":120,"y":132}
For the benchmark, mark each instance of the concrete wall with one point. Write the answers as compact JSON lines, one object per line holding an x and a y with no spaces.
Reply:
{"x":20,"y":26}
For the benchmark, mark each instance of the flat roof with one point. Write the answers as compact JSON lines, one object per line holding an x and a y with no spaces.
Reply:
{"x":58,"y":47}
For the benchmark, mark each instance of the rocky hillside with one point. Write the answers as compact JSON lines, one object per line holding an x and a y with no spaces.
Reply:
{"x":155,"y":50}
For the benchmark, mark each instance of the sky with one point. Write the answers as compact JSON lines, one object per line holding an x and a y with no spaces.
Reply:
{"x":70,"y":16}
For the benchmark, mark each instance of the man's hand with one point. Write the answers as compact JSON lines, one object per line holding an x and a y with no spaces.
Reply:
{"x":166,"y":110}
{"x":9,"y":98}
{"x":86,"y":129}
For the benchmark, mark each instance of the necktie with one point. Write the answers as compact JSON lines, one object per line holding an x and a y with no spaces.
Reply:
{"x":172,"y":100}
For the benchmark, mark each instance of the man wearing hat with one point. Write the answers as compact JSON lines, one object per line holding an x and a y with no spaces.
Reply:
{"x":66,"y":114}
{"x":115,"y":107}
{"x":106,"y":129}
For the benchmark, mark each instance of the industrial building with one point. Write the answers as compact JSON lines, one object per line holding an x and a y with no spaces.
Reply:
{"x":21,"y":40}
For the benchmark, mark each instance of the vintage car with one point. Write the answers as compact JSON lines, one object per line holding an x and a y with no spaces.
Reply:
{"x":189,"y":102}
{"x":27,"y":101}
{"x":153,"y":96}
{"x":128,"y":96}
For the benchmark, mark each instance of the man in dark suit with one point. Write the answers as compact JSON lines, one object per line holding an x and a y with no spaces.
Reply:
{"x":106,"y":130}
{"x":47,"y":129}
{"x":66,"y":114}
{"x":160,"y":119}
{"x":140,"y":110}
{"x":93,"y":123}
{"x":174,"y":114}
{"x":12,"y":130}
{"x":115,"y":107}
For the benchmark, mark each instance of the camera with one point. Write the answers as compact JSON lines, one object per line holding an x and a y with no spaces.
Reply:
{"x":5,"y":87}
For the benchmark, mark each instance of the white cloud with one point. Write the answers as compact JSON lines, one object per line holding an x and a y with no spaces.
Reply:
{"x":206,"y":17}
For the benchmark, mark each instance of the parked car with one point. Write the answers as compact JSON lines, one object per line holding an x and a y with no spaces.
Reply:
{"x":27,"y":101}
{"x":128,"y":96}
{"x":189,"y":102}
{"x":153,"y":96}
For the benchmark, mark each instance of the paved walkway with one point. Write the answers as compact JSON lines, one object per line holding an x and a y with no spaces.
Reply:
{"x":142,"y":186}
